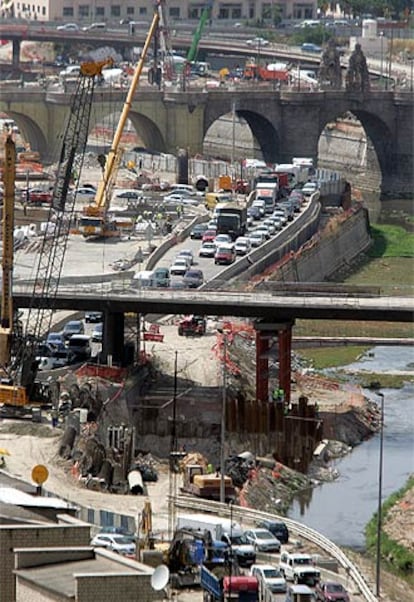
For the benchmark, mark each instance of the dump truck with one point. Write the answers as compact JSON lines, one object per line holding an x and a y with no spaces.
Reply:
{"x":232,"y":220}
{"x":192,"y":326}
{"x":196,"y":482}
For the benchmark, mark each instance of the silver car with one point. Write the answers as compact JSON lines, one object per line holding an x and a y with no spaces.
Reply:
{"x":116,"y":543}
{"x":263,"y":540}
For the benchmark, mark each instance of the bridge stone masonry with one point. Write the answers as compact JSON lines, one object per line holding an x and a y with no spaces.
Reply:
{"x":284,"y":123}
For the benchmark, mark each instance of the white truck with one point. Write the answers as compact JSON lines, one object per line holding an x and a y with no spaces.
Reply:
{"x":267,"y":192}
{"x":222,"y":529}
{"x":299,"y":568}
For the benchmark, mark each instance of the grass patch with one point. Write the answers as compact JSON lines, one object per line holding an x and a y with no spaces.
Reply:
{"x":349,"y":328}
{"x":331,"y":357}
{"x":396,"y":557}
{"x":391,"y":241}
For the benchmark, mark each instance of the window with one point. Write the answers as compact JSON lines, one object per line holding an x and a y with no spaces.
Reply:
{"x":100,"y":11}
{"x":174,"y":12}
{"x":130,"y":10}
{"x":84,"y":10}
{"x":115,"y":11}
{"x":142,"y":11}
{"x":67,"y":11}
{"x":224,"y":13}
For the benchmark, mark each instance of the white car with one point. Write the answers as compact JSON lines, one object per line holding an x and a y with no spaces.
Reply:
{"x":242,"y":245}
{"x":257,"y":42}
{"x":270,"y":225}
{"x":223,"y":239}
{"x":68,"y":27}
{"x":256,"y":238}
{"x":263,"y":540}
{"x":179,"y":267}
{"x":188,"y":254}
{"x":264,"y":230}
{"x":86,"y":194}
{"x":270,"y":577}
{"x":207,"y":249}
{"x":116,"y":543}
{"x":175,"y":197}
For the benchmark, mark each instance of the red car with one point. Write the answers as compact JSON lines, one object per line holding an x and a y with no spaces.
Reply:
{"x":209,"y":236}
{"x":225,"y":254}
{"x":37,"y":196}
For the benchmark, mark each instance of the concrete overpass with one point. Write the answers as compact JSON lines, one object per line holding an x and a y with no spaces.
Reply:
{"x":285,"y":123}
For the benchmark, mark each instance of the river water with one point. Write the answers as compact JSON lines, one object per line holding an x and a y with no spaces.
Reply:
{"x":341,"y":509}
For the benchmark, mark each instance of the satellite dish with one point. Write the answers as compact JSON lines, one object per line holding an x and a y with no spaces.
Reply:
{"x":160,"y":577}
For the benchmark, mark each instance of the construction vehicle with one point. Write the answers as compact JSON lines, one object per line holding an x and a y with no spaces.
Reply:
{"x":192,"y":326}
{"x":95,"y":221}
{"x":193,"y":50}
{"x":20,"y":392}
{"x":275,"y":73}
{"x":201,"y":484}
{"x":240,"y":588}
{"x":232,"y":219}
{"x":188,"y":550}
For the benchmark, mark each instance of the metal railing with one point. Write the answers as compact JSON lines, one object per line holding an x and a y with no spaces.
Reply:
{"x":305,"y":532}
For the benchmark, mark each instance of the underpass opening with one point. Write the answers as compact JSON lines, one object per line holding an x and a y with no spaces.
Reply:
{"x":26,"y":133}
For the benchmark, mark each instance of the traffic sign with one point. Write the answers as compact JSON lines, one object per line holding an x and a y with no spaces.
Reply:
{"x":40,"y":474}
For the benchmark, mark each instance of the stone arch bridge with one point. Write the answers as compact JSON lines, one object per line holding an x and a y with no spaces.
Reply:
{"x":284,"y":123}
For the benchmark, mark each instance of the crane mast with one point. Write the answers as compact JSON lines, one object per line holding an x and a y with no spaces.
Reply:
{"x":94,"y":221}
{"x":205,"y":16}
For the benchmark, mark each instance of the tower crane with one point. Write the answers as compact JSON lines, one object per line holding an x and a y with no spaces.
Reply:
{"x":94,"y":221}
{"x":19,"y":389}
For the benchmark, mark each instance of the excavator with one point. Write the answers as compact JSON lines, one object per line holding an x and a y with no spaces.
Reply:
{"x":20,"y":392}
{"x":94,"y":221}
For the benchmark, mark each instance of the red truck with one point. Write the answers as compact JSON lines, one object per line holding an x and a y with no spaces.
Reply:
{"x":253,"y":71}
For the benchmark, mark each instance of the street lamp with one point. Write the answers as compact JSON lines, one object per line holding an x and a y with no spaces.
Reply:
{"x":379,"y":514}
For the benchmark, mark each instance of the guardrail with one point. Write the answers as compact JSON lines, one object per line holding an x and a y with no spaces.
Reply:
{"x":305,"y":532}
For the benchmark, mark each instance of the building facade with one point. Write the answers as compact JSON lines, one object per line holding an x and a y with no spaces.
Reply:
{"x":115,"y":10}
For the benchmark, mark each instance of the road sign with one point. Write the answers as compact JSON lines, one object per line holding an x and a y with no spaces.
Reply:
{"x":40,"y":474}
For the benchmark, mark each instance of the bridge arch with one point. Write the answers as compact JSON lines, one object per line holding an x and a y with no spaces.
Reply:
{"x":30,"y":132}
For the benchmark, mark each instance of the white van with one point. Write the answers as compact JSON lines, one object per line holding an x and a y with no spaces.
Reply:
{"x":144,"y":279}
{"x":70,"y":71}
{"x":95,"y":27}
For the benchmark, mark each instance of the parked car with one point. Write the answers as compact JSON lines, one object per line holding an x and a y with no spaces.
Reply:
{"x":263,"y":540}
{"x":179,"y":267}
{"x":97,"y":333}
{"x":198,"y":231}
{"x":225,"y":254}
{"x":115,"y":542}
{"x":330,"y":591}
{"x":278,"y":528}
{"x":269,"y":577}
{"x":93,"y":316}
{"x":207,"y":249}
{"x":130,"y":195}
{"x":38,"y":196}
{"x":193,"y":278}
{"x":73,"y":327}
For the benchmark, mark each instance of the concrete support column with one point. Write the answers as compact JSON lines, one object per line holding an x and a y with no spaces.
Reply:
{"x":113,"y":338}
{"x":285,"y":360}
{"x":16,"y":53}
{"x":264,"y":334}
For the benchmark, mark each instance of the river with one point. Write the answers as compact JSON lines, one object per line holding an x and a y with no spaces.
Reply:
{"x":341,"y":509}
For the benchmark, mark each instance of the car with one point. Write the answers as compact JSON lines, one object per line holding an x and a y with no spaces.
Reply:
{"x":68,"y":27}
{"x":79,"y":345}
{"x":62,"y":357}
{"x":198,"y":231}
{"x":256,"y":238}
{"x":93,"y":316}
{"x":254,"y":212}
{"x":125,"y":21}
{"x":37,"y":196}
{"x":309,"y":47}
{"x":209,"y":235}
{"x":265,"y":231}
{"x":131,"y":195}
{"x":263,"y":540}
{"x":281,"y":214}
{"x":55,"y":340}
{"x":188,"y":254}
{"x":97,"y":333}
{"x":331,"y":591}
{"x":277,"y":527}
{"x":269,"y":577}
{"x":270,"y":224}
{"x":242,"y":245}
{"x":223,"y":239}
{"x":173,"y":197}
{"x":161,"y":277}
{"x":193,"y":278}
{"x":115,"y":542}
{"x":257,"y":42}
{"x":85,"y":194}
{"x":261,"y":205}
{"x":179,"y":267}
{"x":225,"y":254}
{"x":207,"y":249}
{"x":95,"y":27}
{"x":289,"y":208}
{"x":73,"y":327}
{"x":212,"y":224}
{"x":277,"y":221}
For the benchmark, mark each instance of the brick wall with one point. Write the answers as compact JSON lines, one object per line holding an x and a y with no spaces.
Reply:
{"x":113,"y":588}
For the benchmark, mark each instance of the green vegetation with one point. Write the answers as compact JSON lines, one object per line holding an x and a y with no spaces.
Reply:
{"x":397,"y":558}
{"x":391,"y":241}
{"x":331,"y":357}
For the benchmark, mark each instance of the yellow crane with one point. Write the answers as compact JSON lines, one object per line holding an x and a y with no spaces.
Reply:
{"x":94,"y":220}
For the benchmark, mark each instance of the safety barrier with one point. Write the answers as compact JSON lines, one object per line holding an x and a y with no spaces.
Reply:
{"x":300,"y":529}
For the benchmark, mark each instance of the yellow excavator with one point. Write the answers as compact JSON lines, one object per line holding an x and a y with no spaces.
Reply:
{"x":94,"y":221}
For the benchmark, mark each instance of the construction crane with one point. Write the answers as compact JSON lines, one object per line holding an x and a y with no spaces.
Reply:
{"x":19,"y":390}
{"x":94,"y":222}
{"x":205,"y":16}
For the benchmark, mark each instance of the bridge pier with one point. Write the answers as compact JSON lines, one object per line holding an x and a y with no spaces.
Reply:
{"x":16,"y":54}
{"x":113,"y":338}
{"x":266,"y":334}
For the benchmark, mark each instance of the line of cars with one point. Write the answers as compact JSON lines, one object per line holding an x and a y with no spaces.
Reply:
{"x":71,"y":345}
